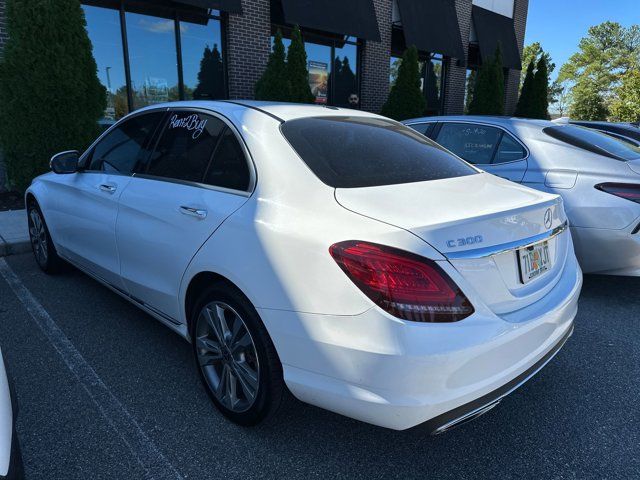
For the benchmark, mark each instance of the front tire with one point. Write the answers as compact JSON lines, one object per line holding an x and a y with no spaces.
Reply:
{"x":235,"y":356}
{"x":43,"y":249}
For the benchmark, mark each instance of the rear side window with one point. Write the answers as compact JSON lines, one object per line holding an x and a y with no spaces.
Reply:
{"x":351,"y":152}
{"x":424,"y":128}
{"x":186,"y":146}
{"x":594,"y":141}
{"x":229,"y":168}
{"x":475,"y":143}
{"x":125,"y":146}
{"x":509,"y":150}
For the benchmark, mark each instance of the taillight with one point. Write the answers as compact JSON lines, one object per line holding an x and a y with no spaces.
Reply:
{"x":405,"y":285}
{"x":628,"y":191}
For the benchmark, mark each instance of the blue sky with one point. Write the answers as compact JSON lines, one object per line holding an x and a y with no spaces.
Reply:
{"x":560,"y":24}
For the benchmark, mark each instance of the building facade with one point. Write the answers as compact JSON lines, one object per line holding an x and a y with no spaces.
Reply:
{"x":161,"y":50}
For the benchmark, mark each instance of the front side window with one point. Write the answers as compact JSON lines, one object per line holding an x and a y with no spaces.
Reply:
{"x":186,"y":146}
{"x":594,"y":141}
{"x":352,"y":152}
{"x":125,"y":146}
{"x":475,"y":143}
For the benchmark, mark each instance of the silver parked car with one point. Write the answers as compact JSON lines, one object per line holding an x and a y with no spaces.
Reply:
{"x":597,"y":175}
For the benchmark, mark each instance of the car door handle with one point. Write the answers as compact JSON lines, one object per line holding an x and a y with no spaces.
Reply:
{"x":194,"y":212}
{"x":108,"y":188}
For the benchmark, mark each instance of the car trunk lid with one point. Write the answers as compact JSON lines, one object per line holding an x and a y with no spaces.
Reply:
{"x":478,"y":223}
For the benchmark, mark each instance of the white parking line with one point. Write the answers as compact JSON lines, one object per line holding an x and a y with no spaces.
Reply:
{"x":155,"y":464}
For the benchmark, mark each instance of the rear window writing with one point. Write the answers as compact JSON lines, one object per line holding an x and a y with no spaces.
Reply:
{"x":352,"y":152}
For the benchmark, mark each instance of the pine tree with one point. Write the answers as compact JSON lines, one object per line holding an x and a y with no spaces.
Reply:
{"x":50,"y":95}
{"x":523,"y":109}
{"x":297,"y":70}
{"x":488,"y":97}
{"x":210,"y":77}
{"x":406,"y":99}
{"x":540,"y":105}
{"x":274,"y":83}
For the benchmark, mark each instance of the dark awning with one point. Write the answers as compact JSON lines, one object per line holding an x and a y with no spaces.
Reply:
{"x":492,"y":28}
{"x":230,"y":6}
{"x":355,"y":18}
{"x":432,"y":26}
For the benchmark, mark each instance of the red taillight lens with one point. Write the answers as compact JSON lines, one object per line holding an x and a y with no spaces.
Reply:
{"x":628,"y":191}
{"x":405,"y":285}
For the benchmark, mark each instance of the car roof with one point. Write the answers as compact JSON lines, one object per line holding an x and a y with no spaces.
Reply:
{"x":279,"y":110}
{"x":488,"y":119}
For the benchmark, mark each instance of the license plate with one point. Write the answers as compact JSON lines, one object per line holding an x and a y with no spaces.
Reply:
{"x":534,"y":261}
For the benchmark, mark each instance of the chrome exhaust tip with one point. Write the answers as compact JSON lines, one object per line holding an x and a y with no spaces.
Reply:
{"x":465,"y":418}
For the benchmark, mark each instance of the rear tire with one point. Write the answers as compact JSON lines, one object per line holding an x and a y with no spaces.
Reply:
{"x":41,"y":244}
{"x":235,"y":356}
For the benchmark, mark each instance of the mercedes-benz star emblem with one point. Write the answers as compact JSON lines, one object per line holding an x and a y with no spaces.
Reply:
{"x":548,"y":218}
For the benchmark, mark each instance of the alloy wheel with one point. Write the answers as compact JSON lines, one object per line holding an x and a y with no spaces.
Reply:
{"x":227,"y":356}
{"x":38,"y":236}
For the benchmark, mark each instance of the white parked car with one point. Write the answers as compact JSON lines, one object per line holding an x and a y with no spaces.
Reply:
{"x":597,"y":175}
{"x":333,"y":251}
{"x":10,"y":456}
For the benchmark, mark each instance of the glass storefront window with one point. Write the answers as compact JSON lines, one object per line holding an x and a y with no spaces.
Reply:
{"x":432,"y":71}
{"x":153,"y":59}
{"x":431,"y":80}
{"x":333,"y":82}
{"x":345,"y":87}
{"x":103,"y":27}
{"x":202,"y":68}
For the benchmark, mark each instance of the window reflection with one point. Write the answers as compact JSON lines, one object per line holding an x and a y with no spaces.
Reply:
{"x":345,"y":90}
{"x":431,"y":80}
{"x":103,"y":27}
{"x":203,"y":73}
{"x":153,"y":59}
{"x":333,"y":82}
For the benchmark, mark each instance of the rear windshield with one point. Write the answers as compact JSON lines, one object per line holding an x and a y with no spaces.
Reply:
{"x":351,"y":152}
{"x":594,"y":141}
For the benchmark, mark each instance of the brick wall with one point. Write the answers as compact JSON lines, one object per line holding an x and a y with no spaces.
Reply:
{"x":456,"y":78}
{"x":3,"y":39}
{"x":521,"y":8}
{"x":248,"y":47}
{"x":375,"y":62}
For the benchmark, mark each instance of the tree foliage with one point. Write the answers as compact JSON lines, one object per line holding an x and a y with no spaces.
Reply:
{"x":524,"y":107}
{"x":345,"y":81}
{"x":625,"y":107}
{"x":533,"y":53}
{"x":595,"y":72}
{"x":540,"y":104}
{"x":587,"y":101}
{"x":50,"y":95}
{"x":405,"y":98}
{"x":297,"y":70}
{"x":274,"y":83}
{"x":488,"y":98}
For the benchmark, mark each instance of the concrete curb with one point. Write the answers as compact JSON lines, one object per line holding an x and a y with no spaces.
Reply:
{"x":14,"y":248}
{"x":14,"y":234}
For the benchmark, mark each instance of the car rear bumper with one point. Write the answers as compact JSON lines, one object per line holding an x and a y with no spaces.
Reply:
{"x":396,"y":374}
{"x":608,"y":251}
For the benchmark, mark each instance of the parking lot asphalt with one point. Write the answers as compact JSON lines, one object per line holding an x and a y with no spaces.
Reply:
{"x":105,"y":391}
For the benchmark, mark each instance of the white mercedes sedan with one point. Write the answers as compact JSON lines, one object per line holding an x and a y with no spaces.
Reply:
{"x":332,"y":252}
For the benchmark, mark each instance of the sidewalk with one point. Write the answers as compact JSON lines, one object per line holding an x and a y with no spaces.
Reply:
{"x":14,"y":234}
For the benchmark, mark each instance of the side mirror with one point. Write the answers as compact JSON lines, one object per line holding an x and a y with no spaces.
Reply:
{"x":65,"y":162}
